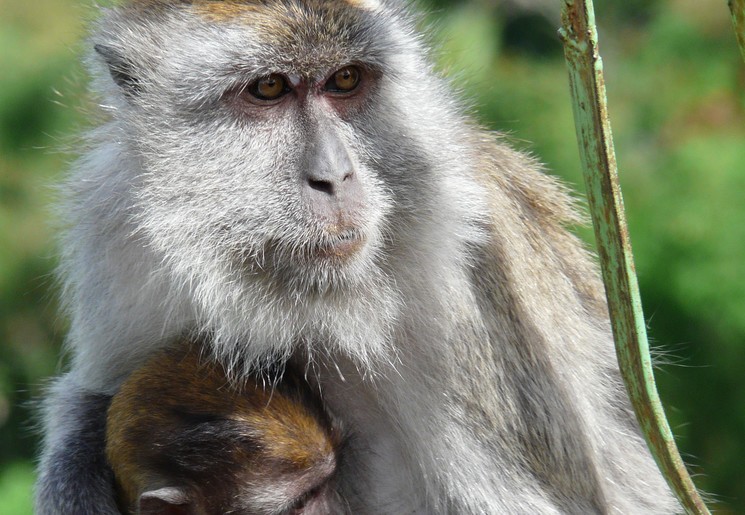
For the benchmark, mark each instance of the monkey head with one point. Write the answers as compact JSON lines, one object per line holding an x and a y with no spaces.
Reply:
{"x":271,"y":158}
{"x":181,"y":439}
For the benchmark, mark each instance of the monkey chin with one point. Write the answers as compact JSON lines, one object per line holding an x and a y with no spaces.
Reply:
{"x":316,"y":264}
{"x":336,"y":264}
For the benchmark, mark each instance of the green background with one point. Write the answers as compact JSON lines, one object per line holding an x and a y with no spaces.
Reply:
{"x":676,"y":88}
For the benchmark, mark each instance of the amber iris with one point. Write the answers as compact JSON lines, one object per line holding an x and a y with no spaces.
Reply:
{"x":270,"y":87}
{"x":344,"y":80}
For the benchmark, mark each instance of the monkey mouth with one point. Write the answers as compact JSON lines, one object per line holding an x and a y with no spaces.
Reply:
{"x":324,"y":247}
{"x":340,"y":246}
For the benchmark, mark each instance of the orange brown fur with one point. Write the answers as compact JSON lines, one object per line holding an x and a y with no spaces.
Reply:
{"x":285,"y":433}
{"x":226,"y":10}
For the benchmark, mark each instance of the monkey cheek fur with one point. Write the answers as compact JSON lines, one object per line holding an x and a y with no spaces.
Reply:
{"x":261,"y":298}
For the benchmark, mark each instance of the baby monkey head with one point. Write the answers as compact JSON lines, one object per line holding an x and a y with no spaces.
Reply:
{"x":182,"y":440}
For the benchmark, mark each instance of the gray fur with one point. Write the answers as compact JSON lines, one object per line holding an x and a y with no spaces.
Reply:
{"x":466,"y":346}
{"x":74,"y":461}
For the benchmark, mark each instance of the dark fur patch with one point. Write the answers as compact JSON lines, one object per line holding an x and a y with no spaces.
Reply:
{"x":78,"y":478}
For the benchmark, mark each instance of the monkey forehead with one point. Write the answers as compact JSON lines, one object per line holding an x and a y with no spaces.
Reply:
{"x":292,"y":432}
{"x":216,"y":10}
{"x":250,"y":37}
{"x":232,"y":9}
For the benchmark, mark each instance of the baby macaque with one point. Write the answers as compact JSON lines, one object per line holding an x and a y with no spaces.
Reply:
{"x":183,"y":439}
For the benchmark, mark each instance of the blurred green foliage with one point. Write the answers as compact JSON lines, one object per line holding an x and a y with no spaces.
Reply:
{"x":676,"y":87}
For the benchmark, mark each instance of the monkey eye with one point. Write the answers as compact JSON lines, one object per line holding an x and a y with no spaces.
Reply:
{"x":344,"y":80}
{"x":268,"y":88}
{"x":299,"y":505}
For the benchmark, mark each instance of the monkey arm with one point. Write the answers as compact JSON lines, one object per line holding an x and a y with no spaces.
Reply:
{"x":74,"y":477}
{"x":548,"y":329}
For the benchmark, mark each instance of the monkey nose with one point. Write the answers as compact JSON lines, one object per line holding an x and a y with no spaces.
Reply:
{"x":334,"y":198}
{"x":330,"y":185}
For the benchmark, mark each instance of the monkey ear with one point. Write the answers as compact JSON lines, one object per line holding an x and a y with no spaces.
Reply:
{"x":169,"y":500}
{"x":120,"y":68}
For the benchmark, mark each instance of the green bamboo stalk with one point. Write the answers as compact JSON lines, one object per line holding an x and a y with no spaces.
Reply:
{"x":737,"y":8}
{"x":579,"y":34}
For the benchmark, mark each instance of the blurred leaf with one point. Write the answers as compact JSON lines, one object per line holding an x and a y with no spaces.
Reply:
{"x":16,"y":481}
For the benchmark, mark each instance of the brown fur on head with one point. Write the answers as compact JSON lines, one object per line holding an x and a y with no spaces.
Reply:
{"x":230,"y":10}
{"x":178,"y":423}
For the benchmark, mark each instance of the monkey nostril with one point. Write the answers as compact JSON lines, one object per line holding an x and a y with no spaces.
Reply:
{"x":323,"y":186}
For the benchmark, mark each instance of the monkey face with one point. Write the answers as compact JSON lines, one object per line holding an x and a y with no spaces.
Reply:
{"x":252,"y":143}
{"x":281,"y":153}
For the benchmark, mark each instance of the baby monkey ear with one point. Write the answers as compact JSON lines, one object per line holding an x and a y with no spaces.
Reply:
{"x":169,"y":500}
{"x":121,"y":70}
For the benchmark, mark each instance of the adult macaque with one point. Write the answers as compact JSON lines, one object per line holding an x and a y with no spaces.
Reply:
{"x":183,"y":439}
{"x":291,"y":180}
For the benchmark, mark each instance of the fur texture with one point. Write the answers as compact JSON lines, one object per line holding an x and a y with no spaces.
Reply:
{"x":465,"y":345}
{"x":181,"y":437}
